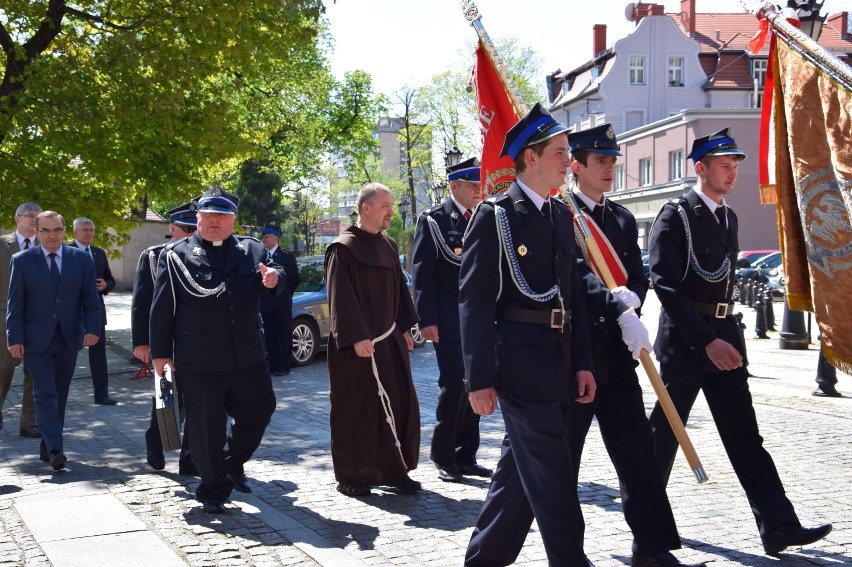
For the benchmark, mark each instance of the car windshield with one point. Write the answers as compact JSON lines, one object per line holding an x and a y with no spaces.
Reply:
{"x":771,"y":261}
{"x":312,"y":275}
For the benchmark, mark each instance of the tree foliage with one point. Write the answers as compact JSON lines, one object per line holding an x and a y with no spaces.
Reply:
{"x":104,"y":101}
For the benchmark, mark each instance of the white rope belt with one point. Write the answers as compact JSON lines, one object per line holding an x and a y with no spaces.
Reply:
{"x":385,"y":399}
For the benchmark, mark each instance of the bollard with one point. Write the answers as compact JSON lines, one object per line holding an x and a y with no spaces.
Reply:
{"x":760,"y":323}
{"x":793,"y":335}
{"x":750,"y":295}
{"x":826,"y":377}
{"x":770,"y":312}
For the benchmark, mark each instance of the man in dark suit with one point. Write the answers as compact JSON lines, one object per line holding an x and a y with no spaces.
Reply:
{"x":618,"y":336}
{"x":23,"y":238}
{"x":53,"y":312}
{"x":205,"y":326}
{"x":693,"y":250}
{"x":84,"y":235}
{"x":277,"y":310}
{"x":183,"y":224}
{"x":436,"y":263}
{"x":525,"y":342}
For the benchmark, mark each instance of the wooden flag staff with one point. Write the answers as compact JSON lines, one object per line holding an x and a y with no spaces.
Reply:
{"x":471,"y":13}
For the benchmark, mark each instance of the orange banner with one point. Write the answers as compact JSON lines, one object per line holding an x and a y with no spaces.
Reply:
{"x":496,"y":116}
{"x":813,"y":145}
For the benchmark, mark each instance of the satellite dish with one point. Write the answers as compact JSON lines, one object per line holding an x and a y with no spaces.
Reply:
{"x":630,"y":12}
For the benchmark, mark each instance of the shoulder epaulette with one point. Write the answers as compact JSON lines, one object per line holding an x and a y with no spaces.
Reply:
{"x":246,"y":237}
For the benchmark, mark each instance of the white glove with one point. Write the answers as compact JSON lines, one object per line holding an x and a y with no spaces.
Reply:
{"x":627,"y":297}
{"x":633,"y":333}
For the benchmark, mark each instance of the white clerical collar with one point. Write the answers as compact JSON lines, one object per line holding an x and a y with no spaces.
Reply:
{"x":711,"y":204}
{"x":536,"y":199}
{"x":586,"y":199}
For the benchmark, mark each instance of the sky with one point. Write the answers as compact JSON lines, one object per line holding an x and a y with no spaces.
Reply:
{"x":407,"y":42}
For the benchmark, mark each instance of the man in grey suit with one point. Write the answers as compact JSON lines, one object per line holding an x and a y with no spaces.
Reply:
{"x":24,"y":237}
{"x":53,"y":311}
{"x":84,"y":235}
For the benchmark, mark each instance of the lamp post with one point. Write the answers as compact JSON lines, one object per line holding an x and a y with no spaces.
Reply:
{"x":439,"y":190}
{"x":452,"y":157}
{"x":403,"y":209}
{"x":353,"y":216}
{"x":810,"y":18}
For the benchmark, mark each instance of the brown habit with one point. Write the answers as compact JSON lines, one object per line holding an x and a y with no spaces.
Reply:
{"x":367,"y":294}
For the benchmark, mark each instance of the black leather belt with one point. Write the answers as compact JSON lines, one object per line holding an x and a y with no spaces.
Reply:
{"x":717,"y":310}
{"x":552,"y":318}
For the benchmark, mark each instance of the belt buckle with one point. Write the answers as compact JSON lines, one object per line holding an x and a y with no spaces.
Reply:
{"x":557,"y":319}
{"x":721,"y":310}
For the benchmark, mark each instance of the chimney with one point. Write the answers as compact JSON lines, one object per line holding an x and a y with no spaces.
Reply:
{"x":642,"y":10}
{"x":840,"y":22}
{"x":599,"y":42}
{"x":687,"y":16}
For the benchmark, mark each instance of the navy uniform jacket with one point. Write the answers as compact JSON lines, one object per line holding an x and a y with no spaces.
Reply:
{"x":521,"y":358}
{"x":214,"y":333}
{"x":284,"y":300}
{"x":36,"y":306}
{"x":603,"y":308}
{"x":102,"y":271}
{"x":684,"y":332}
{"x":143,"y":294}
{"x":436,"y":278}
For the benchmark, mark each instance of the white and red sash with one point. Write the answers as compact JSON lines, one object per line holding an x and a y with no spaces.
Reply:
{"x":613,"y":262}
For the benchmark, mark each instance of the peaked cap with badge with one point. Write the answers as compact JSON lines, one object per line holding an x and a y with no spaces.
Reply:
{"x":270,"y":230}
{"x":719,"y":143}
{"x":537,"y":126}
{"x":468,"y":170}
{"x":184,"y":215}
{"x":598,"y":140}
{"x":217,"y":200}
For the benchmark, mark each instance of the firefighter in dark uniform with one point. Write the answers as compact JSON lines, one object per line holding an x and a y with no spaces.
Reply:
{"x":525,"y":342}
{"x":182,"y":225}
{"x":436,"y":262}
{"x":205,"y":325}
{"x":618,"y":336}
{"x":693,"y":250}
{"x":277,"y":310}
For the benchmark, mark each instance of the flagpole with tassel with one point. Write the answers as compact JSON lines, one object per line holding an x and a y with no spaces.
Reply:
{"x":471,"y":13}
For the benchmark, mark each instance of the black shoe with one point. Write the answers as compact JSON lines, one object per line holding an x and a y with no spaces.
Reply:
{"x":788,"y":536}
{"x":280,"y":372}
{"x":187,"y":469}
{"x":408,"y":486}
{"x":57,"y":460}
{"x":44,"y":457}
{"x":213,"y":506}
{"x":665,"y":559}
{"x":827,"y":392}
{"x":353,"y":489}
{"x":157,"y":461}
{"x":475,"y":470}
{"x":449,"y":473}
{"x":107,"y":401}
{"x":241,"y":483}
{"x":31,"y":432}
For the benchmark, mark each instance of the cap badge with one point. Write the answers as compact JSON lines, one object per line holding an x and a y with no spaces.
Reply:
{"x":522,"y":250}
{"x":610,"y":133}
{"x":217,"y":192}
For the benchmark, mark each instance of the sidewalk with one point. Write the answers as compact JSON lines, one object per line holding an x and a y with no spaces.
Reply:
{"x":109,"y":507}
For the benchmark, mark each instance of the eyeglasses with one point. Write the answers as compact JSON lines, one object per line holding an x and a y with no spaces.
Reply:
{"x":57,"y":230}
{"x":188,"y":229}
{"x":29,"y":215}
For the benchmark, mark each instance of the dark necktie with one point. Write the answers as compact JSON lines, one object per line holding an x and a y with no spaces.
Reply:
{"x":54,"y":269}
{"x":26,"y":243}
{"x":598,"y":215}
{"x":720,"y":214}
{"x":467,"y":214}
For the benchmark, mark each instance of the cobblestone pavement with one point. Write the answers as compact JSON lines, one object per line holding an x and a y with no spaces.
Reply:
{"x":295,"y":516}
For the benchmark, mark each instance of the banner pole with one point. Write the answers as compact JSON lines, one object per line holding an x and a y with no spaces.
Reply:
{"x":471,"y":13}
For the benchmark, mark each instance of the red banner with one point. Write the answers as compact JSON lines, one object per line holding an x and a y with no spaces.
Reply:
{"x":496,"y":116}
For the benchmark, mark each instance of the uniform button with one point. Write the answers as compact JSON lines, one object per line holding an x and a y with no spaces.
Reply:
{"x":602,"y":319}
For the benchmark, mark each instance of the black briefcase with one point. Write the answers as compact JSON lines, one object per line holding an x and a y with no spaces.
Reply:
{"x":168,"y":414}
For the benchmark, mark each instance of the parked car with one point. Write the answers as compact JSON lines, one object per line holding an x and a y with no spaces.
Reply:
{"x":311,"y":317}
{"x":747,"y":257}
{"x":646,"y":266}
{"x":761,"y":268}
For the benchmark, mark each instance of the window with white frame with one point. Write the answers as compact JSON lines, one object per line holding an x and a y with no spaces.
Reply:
{"x":644,"y":172}
{"x":637,"y":69}
{"x":758,"y":73}
{"x":676,"y":165}
{"x":675,"y":75}
{"x":619,"y":177}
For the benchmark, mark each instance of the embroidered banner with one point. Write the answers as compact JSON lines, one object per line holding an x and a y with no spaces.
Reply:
{"x":813,"y":146}
{"x":496,"y":116}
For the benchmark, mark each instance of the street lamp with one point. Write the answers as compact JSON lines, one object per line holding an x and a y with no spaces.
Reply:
{"x":403,"y":210}
{"x":439,"y":190}
{"x":811,"y":21}
{"x":452,"y":157}
{"x":353,"y":216}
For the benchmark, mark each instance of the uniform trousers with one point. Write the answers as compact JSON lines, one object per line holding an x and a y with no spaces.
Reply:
{"x":456,"y":436}
{"x":278,"y":338}
{"x":209,"y":397}
{"x":7,"y":370}
{"x":627,"y":436}
{"x":532,"y":480}
{"x":98,"y":367}
{"x":52,"y":371}
{"x":729,"y":400}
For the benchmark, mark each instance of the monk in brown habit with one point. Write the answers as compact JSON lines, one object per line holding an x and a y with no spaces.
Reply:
{"x":375,"y":417}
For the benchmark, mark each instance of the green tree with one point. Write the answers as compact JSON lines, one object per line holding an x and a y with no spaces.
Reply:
{"x":104,"y":102}
{"x":261,"y":199}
